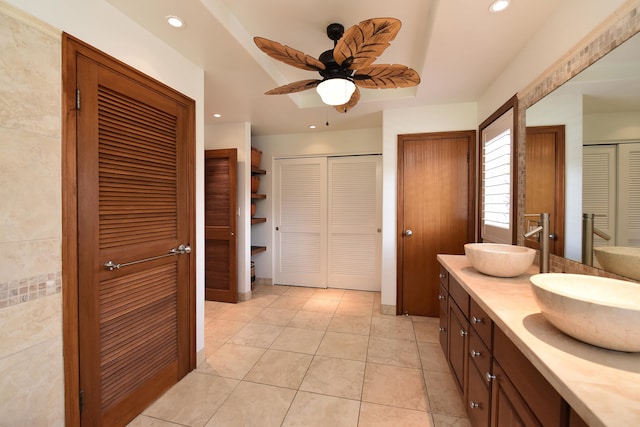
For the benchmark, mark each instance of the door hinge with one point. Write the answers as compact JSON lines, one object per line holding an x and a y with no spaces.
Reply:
{"x":81,"y":400}
{"x":77,"y":99}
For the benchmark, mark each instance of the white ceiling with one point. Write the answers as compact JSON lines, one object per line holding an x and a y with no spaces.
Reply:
{"x":457,"y":46}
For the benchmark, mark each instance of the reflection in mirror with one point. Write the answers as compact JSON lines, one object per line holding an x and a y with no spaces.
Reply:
{"x":600,"y":112}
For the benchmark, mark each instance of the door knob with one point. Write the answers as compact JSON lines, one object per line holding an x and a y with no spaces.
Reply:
{"x":408,"y":233}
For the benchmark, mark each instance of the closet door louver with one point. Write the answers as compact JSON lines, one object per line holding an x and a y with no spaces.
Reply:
{"x":629,"y":195}
{"x":355,"y":219}
{"x":599,"y":189}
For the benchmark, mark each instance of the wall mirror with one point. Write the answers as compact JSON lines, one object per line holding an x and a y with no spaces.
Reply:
{"x":599,"y":111}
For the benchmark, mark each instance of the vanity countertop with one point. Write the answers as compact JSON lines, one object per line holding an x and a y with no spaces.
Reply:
{"x":602,"y":386}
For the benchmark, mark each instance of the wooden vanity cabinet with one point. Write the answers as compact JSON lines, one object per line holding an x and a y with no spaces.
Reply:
{"x":458,"y":335}
{"x":520,"y":388}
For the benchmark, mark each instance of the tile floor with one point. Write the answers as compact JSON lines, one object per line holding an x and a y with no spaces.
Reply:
{"x":294,"y":356}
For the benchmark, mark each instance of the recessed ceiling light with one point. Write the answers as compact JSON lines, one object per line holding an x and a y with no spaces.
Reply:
{"x":499,"y":6}
{"x":217,"y":116}
{"x":174,"y":21}
{"x":312,"y":126}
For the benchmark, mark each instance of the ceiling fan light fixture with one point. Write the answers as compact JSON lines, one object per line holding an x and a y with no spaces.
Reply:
{"x":336,"y":91}
{"x":499,"y":5}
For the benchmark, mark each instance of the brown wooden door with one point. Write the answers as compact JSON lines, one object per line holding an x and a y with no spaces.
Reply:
{"x":545,"y":182}
{"x":221,"y":241}
{"x":435,"y":202}
{"x":134,"y":141}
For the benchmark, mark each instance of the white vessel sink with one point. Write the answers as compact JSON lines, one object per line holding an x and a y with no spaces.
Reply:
{"x":499,"y":260}
{"x":599,"y":311}
{"x":621,"y":260}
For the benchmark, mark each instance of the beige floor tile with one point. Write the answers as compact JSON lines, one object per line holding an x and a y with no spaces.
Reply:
{"x":257,"y":335}
{"x":440,"y":420}
{"x":432,"y":357}
{"x":275,"y":316}
{"x":334,"y":377}
{"x":388,"y":351}
{"x":270,"y":289}
{"x":351,"y":308}
{"x":427,"y":332}
{"x":321,"y":305}
{"x":287,"y":302}
{"x":232,"y":361}
{"x":359,"y":296}
{"x":210,"y":346}
{"x":213,"y":309}
{"x":372,"y":415}
{"x":144,"y":421}
{"x":315,"y":410}
{"x":344,"y":346}
{"x":260,"y":300}
{"x":280,"y":368}
{"x":299,"y":291}
{"x":443,"y":394}
{"x":221,"y":330}
{"x":360,"y":325}
{"x":329,"y":293}
{"x":424,"y":319}
{"x":396,"y":327}
{"x":240,"y":313}
{"x":311,"y":320}
{"x":254,"y":405}
{"x":193,"y":400}
{"x":394,"y":386}
{"x":298,"y":340}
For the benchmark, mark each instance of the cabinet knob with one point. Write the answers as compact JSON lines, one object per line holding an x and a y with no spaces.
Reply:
{"x":477,"y":320}
{"x":474,"y":405}
{"x":490,"y":377}
{"x":463,"y":333}
{"x":442,"y":275}
{"x":442,"y":330}
{"x":441,"y":297}
{"x":474,"y":353}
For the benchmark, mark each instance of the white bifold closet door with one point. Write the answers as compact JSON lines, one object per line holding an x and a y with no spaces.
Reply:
{"x":328,"y":214}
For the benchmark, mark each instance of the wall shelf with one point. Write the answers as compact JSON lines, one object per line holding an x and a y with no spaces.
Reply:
{"x":258,"y":196}
{"x":257,"y":249}
{"x":258,"y":171}
{"x":258,"y":220}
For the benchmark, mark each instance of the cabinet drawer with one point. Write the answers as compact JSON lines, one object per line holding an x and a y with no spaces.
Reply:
{"x":444,"y":277}
{"x":545,"y":402}
{"x":459,"y":295}
{"x":478,"y":408}
{"x":481,"y":322}
{"x":479,"y":355}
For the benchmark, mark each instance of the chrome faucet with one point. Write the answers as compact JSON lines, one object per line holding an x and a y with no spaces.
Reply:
{"x":588,"y":230}
{"x":543,"y":238}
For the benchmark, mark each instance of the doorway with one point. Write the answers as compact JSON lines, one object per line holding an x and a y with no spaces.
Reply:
{"x":128,"y":233}
{"x":435,"y":212}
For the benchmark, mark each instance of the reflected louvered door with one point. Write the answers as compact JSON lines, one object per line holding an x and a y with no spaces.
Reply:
{"x":629,"y":195}
{"x":354,"y":223}
{"x":133,"y":203}
{"x":300,"y":216}
{"x":599,"y":190}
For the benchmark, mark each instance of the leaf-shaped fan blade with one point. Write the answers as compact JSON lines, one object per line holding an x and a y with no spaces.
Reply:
{"x":288,"y":55}
{"x":355,"y":97}
{"x":294,"y":87}
{"x":384,"y":76}
{"x":363,"y":43}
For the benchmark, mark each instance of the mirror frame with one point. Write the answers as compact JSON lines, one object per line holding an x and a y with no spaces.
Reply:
{"x":623,"y":24}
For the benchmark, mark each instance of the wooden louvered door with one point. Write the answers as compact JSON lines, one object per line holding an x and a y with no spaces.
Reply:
{"x":220,"y":223}
{"x":135,"y":197}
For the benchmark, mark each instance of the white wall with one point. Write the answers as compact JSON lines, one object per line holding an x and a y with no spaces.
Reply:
{"x":314,"y":143}
{"x":238,"y":135}
{"x":436,"y":118}
{"x":573,"y":20}
{"x":612,"y":127}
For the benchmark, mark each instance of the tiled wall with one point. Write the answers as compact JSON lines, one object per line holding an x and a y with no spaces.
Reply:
{"x":621,"y":26}
{"x":31,"y":372}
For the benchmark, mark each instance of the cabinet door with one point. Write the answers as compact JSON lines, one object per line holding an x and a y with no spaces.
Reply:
{"x":508,"y":408}
{"x":478,"y":406}
{"x":443,"y":296}
{"x":458,"y":344}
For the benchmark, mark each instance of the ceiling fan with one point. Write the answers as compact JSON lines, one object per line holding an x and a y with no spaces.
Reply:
{"x":348,"y":65}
